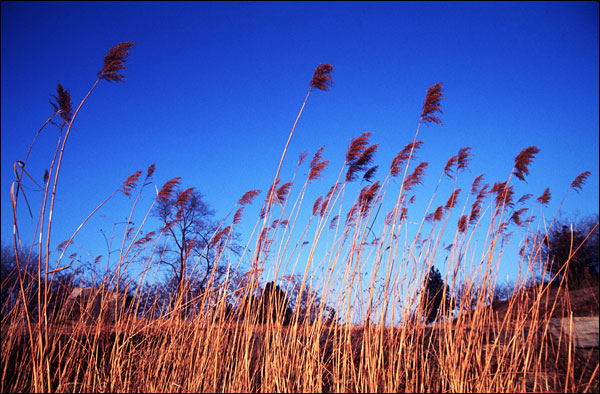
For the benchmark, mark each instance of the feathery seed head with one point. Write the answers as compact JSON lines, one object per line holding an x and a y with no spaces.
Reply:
{"x":63,"y":104}
{"x":580,"y":180}
{"x":113,"y":62}
{"x":322,"y":78}
{"x":522,"y":161}
{"x":432,"y":104}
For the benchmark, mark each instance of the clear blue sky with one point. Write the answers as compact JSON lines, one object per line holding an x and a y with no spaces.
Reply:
{"x":212,"y":90}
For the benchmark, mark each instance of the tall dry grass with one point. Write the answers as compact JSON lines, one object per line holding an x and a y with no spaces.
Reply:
{"x":378,"y":341}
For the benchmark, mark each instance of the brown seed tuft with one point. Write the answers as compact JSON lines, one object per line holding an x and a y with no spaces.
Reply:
{"x":317,"y":205}
{"x":365,"y":199}
{"x":464,"y":157}
{"x":370,"y":174}
{"x":63,"y":104}
{"x":334,"y":222}
{"x":283,"y":191}
{"x":437,"y":215}
{"x":130,"y":183}
{"x":402,"y":157}
{"x":580,"y":180}
{"x":416,"y":178}
{"x":183,"y":197}
{"x":150,"y":170}
{"x":361,"y":163}
{"x":449,"y":168}
{"x":317,"y":166}
{"x":432,"y":104}
{"x":522,"y":161}
{"x":168,"y":188}
{"x":357,"y":147}
{"x":249,"y":196}
{"x":544,"y":199}
{"x":475,"y":185}
{"x":237,"y":217}
{"x":462,"y":224}
{"x":451,"y":203}
{"x":524,"y":199}
{"x":113,"y":62}
{"x":322,"y":78}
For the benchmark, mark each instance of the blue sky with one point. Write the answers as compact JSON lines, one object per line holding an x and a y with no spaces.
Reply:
{"x":212,"y":91}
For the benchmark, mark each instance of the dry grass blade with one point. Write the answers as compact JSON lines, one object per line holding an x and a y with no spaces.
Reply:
{"x":113,"y":62}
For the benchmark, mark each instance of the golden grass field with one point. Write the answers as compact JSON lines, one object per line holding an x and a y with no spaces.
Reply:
{"x":378,"y":341}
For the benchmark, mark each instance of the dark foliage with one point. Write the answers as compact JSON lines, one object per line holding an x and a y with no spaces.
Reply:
{"x":434,"y":296}
{"x":577,"y":246}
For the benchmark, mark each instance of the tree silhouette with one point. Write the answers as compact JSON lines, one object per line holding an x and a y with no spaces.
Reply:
{"x":190,"y":222}
{"x":575,"y":243}
{"x":434,"y":296}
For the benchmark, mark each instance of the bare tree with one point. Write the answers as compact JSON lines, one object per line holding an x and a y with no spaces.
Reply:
{"x":191,"y":252}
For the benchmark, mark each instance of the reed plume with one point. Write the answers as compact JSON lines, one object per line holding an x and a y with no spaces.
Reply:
{"x":504,"y":193}
{"x":516,"y":216}
{"x":452,"y":200}
{"x":63,"y":104}
{"x":334,"y":222}
{"x":249,"y":196}
{"x":166,"y":192}
{"x":462,"y":224}
{"x":283,"y":191}
{"x":522,"y":161}
{"x":580,"y":180}
{"x":317,"y":166}
{"x":370,"y":173}
{"x":237,"y":217}
{"x":449,"y":167}
{"x":365,"y":199}
{"x":402,"y":156}
{"x":475,"y":185}
{"x":432,"y":104}
{"x":361,"y":163}
{"x":113,"y":62}
{"x":544,"y":199}
{"x":463,"y":158}
{"x":357,"y":147}
{"x":130,"y":183}
{"x":416,"y":178}
{"x":184,"y":197}
{"x":317,"y":205}
{"x":322,"y":78}
{"x":524,"y":198}
{"x":150,"y":170}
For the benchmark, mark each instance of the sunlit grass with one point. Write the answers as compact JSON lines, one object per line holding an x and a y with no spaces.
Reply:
{"x":376,"y":341}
